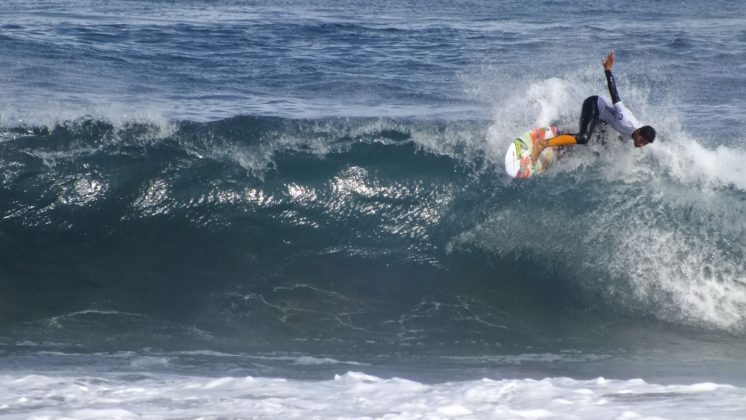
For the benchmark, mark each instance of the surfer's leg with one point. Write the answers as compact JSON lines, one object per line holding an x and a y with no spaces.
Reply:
{"x":557,"y":141}
{"x":588,"y":119}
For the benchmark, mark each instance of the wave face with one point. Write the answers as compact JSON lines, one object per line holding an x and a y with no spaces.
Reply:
{"x":255,"y":232}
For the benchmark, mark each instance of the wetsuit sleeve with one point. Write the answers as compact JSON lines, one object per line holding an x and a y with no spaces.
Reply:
{"x":612,"y":87}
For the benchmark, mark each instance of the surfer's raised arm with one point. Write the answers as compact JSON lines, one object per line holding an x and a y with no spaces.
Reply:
{"x":608,"y":63}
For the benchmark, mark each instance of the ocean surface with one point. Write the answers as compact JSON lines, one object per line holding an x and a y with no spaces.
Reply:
{"x":297,"y":209}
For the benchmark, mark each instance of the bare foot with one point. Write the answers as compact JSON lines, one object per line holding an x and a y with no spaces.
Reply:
{"x":539,"y":147}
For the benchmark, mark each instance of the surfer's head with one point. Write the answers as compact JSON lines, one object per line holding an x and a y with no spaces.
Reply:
{"x":643,"y":136}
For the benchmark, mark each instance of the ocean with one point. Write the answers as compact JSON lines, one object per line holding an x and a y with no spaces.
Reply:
{"x":296,"y":209}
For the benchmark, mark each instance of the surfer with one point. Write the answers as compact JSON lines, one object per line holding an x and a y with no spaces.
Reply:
{"x":597,"y":108}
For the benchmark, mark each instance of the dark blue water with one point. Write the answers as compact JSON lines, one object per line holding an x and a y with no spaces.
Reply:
{"x":325,"y":179}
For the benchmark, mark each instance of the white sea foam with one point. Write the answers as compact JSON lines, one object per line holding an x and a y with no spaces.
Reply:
{"x":692,"y":163}
{"x":359,"y":396}
{"x":679,"y":239}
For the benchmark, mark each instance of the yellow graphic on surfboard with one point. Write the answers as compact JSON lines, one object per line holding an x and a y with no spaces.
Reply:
{"x":518,"y":162}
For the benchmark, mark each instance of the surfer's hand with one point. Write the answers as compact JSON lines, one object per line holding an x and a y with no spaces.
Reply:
{"x":608,"y":62}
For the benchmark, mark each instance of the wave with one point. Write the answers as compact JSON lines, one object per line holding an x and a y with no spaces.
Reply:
{"x":390,"y":229}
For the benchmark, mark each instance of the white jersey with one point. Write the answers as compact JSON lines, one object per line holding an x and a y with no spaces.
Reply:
{"x":617,"y":116}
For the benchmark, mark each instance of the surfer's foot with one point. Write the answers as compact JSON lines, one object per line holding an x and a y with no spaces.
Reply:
{"x":539,"y":147}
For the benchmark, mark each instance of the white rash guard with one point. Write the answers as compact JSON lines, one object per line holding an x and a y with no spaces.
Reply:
{"x":618,"y":116}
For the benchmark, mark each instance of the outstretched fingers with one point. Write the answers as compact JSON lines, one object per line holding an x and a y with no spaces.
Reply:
{"x":608,"y":62}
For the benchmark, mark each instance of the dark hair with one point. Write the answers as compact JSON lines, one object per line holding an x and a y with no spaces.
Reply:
{"x":648,"y":133}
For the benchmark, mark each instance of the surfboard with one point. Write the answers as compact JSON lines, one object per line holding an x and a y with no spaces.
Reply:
{"x":518,"y":157}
